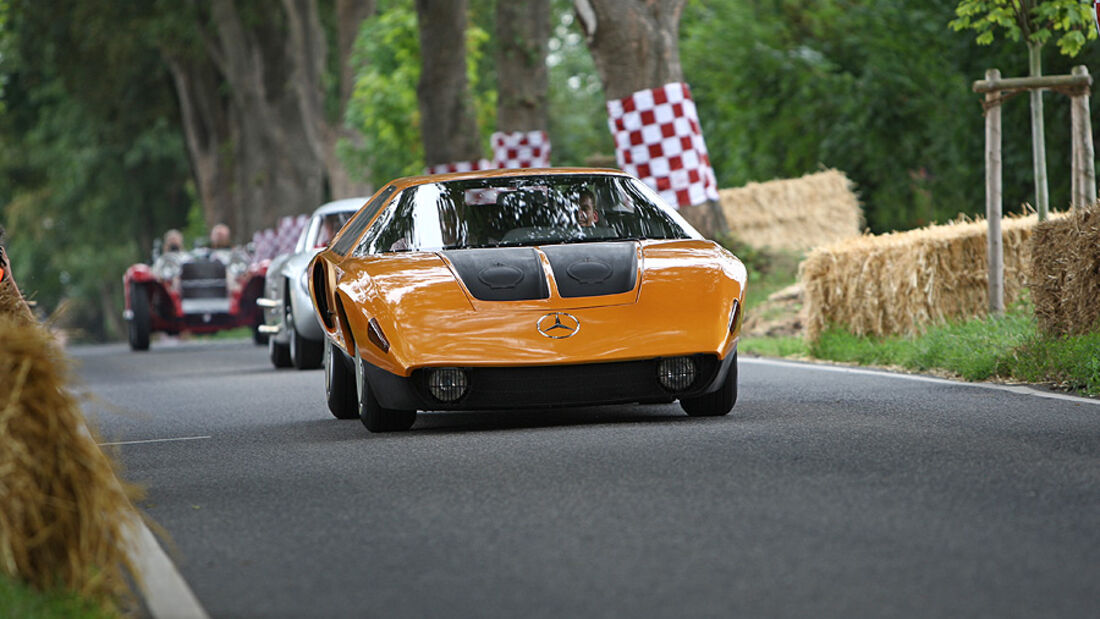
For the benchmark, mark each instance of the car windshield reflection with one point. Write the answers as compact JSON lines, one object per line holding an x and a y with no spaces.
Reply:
{"x":520,"y":211}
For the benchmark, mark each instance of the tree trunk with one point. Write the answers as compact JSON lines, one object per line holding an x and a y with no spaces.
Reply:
{"x":447,"y":121}
{"x":310,"y":47}
{"x":634,"y":43}
{"x":523,"y":35}
{"x":253,"y":110}
{"x":1038,"y":139}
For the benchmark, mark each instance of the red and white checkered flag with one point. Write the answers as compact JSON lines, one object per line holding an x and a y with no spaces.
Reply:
{"x":659,"y":140}
{"x":521,"y":149}
{"x":460,"y":166}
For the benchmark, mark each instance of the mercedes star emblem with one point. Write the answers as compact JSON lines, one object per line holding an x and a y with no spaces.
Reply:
{"x":558,"y":325}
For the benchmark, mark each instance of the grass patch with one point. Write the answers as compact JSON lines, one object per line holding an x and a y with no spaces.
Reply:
{"x":786,"y":346}
{"x":1008,"y":347}
{"x":19,"y":600}
{"x":1071,"y":362}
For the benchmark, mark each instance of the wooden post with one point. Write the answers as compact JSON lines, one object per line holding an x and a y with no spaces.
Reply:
{"x":1084,"y":157}
{"x":994,"y":242}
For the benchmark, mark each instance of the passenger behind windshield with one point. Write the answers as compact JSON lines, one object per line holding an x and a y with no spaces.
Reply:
{"x":519,"y":211}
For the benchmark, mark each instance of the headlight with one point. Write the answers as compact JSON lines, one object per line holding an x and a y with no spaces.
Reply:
{"x":676,"y":373}
{"x":447,"y":384}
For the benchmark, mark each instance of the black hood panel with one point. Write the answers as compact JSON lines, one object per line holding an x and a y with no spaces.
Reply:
{"x":501,"y":274}
{"x":593,"y":269}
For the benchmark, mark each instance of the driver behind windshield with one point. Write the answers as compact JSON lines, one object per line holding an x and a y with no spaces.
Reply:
{"x":587,"y":216}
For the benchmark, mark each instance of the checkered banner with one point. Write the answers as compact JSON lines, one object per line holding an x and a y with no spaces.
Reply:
{"x":659,"y":140}
{"x":521,"y":149}
{"x":460,"y":166}
{"x":1096,"y":15}
{"x":272,"y":242}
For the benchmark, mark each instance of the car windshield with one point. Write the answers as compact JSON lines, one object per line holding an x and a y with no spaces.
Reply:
{"x":517,"y":211}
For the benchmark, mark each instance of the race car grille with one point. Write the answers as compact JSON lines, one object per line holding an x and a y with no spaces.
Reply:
{"x":203,"y":280}
{"x":555,"y":385}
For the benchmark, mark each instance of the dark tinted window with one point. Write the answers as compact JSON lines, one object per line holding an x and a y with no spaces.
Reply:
{"x":522,"y":211}
{"x":355,"y":228}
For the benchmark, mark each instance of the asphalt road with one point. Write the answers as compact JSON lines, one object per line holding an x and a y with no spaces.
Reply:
{"x":824,"y":494}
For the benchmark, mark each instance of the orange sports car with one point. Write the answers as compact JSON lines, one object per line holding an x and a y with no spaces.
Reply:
{"x":524,"y":288}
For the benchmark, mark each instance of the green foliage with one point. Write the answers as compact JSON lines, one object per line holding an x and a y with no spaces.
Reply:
{"x":1034,"y":22}
{"x":384,"y":106}
{"x":832,"y":83}
{"x":18,"y":600}
{"x":92,"y":164}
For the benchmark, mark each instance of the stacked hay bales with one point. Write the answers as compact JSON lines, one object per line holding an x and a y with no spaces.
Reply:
{"x":899,"y":283}
{"x":795,"y":214}
{"x":63,"y":512}
{"x":1065,"y":273}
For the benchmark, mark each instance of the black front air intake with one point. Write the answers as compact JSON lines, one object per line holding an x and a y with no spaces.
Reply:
{"x":203,"y":279}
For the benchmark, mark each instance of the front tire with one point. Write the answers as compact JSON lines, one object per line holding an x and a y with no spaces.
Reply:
{"x":279,"y":353}
{"x":305,"y":353}
{"x":339,"y":384}
{"x":141,"y":318}
{"x":371,"y":413}
{"x":718,"y":403}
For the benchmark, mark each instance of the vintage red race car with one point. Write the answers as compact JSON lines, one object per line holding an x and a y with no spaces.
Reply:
{"x":201,"y":291}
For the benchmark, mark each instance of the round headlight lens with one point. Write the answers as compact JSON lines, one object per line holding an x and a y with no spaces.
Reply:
{"x":447,"y":384}
{"x":676,"y":373}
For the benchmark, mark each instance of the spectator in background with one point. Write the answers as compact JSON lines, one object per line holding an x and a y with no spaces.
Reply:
{"x":173,"y":241}
{"x":219,"y":237}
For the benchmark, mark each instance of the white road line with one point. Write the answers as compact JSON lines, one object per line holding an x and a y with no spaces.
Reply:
{"x":166,"y":592}
{"x":1017,"y":389}
{"x":156,"y":440}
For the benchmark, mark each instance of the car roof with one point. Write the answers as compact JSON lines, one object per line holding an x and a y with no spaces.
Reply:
{"x":347,"y":205}
{"x":409,"y":181}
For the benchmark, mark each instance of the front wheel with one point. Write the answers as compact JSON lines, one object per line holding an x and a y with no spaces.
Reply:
{"x":306,"y":354}
{"x":371,"y":413}
{"x":278,"y":353}
{"x":718,"y":403}
{"x":339,"y":383}
{"x":141,"y":318}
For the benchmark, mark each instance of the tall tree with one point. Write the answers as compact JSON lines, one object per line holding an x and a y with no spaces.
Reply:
{"x":448,"y":124}
{"x":1035,"y":21}
{"x":523,"y":34}
{"x":262,"y":144}
{"x":310,"y":46}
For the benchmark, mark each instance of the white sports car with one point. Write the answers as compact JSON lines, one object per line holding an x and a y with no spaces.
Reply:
{"x":294,"y":335}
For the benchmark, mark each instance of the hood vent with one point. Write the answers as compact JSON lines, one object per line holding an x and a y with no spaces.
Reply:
{"x":500,"y":274}
{"x":593,"y":269}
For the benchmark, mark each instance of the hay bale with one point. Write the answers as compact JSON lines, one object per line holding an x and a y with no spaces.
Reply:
{"x":63,"y":512}
{"x":795,"y":214}
{"x":901,"y":282}
{"x":1065,"y":273}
